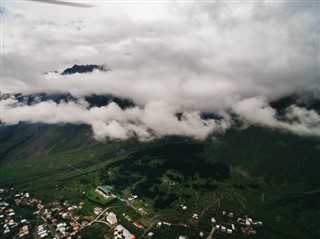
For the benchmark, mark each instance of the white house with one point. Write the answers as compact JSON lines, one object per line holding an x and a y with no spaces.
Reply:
{"x":112,"y":218}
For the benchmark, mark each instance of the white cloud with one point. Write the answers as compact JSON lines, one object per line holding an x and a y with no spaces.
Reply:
{"x":297,"y":120}
{"x":157,"y":119}
{"x":167,"y":57}
{"x":309,"y":118}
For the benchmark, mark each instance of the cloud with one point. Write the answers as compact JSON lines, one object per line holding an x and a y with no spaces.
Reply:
{"x":297,"y":120}
{"x":172,"y":57}
{"x":156,"y":119}
{"x":309,"y":118}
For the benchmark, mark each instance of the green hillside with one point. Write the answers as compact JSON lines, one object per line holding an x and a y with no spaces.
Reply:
{"x":272,"y":176}
{"x":25,"y":140}
{"x":277,"y":157}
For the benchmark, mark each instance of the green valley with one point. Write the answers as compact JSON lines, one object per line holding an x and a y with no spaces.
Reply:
{"x":270,"y":177}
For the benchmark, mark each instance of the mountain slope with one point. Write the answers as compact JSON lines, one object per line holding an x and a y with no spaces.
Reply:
{"x":278,"y":157}
{"x":30,"y":140}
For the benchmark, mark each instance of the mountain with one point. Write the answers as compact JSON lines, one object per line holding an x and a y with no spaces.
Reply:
{"x":307,"y":101}
{"x":84,"y":69}
{"x":102,"y":100}
{"x":276,"y":157}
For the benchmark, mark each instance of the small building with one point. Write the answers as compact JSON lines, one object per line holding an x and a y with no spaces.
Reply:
{"x":112,"y":218}
{"x":124,"y":232}
{"x":137,"y":224}
{"x":142,"y":211}
{"x":195,"y":216}
{"x":97,"y":210}
{"x":150,"y":234}
{"x":248,"y":221}
{"x":23,"y":221}
{"x":167,"y":224}
{"x":233,"y":227}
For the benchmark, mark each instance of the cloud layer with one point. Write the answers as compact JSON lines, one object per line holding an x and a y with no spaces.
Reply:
{"x":169,"y":57}
{"x":156,"y":119}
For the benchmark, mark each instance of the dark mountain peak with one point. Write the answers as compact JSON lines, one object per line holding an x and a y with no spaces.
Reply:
{"x":102,"y":100}
{"x":306,"y":100}
{"x":84,"y":69}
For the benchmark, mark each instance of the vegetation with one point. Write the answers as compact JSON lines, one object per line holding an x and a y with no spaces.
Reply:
{"x":268,"y":175}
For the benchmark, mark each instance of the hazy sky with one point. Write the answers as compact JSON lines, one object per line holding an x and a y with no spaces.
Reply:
{"x":168,"y":57}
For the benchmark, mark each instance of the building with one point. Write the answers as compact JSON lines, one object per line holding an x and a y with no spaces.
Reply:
{"x":121,"y":232}
{"x":112,"y":218}
{"x":97,"y":210}
{"x":104,"y":191}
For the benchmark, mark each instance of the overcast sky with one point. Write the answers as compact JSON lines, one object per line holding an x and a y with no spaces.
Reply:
{"x":168,"y":57}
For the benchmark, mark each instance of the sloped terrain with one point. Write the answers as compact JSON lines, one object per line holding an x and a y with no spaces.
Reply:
{"x":278,"y":157}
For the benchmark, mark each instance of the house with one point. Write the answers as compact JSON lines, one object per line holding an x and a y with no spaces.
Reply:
{"x":24,"y":231}
{"x":233,"y":227}
{"x":97,"y":210}
{"x":120,"y":230}
{"x":112,"y":218}
{"x":142,"y":211}
{"x":137,"y":224}
{"x":195,"y":216}
{"x":183,"y":207}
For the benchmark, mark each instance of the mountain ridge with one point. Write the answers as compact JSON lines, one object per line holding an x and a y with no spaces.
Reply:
{"x":85,"y":69}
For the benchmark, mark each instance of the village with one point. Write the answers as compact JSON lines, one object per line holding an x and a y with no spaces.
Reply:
{"x":60,"y":220}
